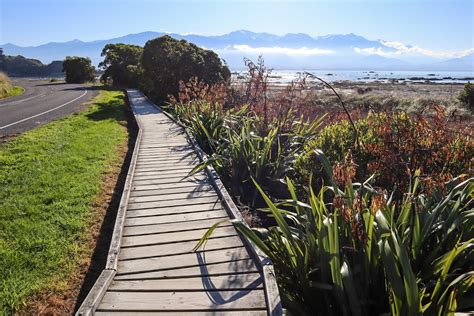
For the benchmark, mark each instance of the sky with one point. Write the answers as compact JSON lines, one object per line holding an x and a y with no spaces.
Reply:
{"x":431,"y":24}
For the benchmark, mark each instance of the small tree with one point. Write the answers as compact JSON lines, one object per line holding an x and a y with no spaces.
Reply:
{"x":121,"y":64}
{"x":466,"y":96}
{"x":165,"y":61}
{"x":78,"y":69}
{"x":2,"y":60}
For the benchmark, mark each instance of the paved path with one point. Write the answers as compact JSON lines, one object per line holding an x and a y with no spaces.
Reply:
{"x":151,"y":265}
{"x":40,"y":103}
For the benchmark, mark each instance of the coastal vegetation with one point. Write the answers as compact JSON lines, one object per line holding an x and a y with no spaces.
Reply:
{"x":51,"y":178}
{"x":361,"y":213}
{"x":78,"y":69}
{"x":120,"y":64}
{"x":466,"y":96}
{"x":364,"y":210}
{"x":7,"y":89}
{"x":158,"y":67}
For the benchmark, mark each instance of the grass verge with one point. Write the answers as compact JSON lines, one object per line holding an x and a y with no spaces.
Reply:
{"x":50,"y":179}
{"x":7,"y":91}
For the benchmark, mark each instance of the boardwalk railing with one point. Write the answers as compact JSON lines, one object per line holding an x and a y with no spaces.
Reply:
{"x":151,"y":266}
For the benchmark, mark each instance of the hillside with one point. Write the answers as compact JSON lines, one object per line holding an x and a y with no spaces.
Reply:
{"x":19,"y":66}
{"x":289,"y":51}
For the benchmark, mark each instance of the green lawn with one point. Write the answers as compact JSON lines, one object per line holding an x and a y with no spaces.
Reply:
{"x":49,"y":180}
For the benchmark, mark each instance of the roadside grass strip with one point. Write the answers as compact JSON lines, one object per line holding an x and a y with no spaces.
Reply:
{"x":50,"y":178}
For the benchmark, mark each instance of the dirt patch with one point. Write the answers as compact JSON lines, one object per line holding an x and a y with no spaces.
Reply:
{"x":69,"y":295}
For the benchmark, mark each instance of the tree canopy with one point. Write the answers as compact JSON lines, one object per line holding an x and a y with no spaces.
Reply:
{"x":78,"y":69}
{"x":165,"y":61}
{"x":120,"y":64}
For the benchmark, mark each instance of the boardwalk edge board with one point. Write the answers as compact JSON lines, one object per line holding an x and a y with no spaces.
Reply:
{"x":99,"y":289}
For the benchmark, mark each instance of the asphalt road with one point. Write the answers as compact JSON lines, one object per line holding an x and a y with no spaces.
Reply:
{"x":41,"y":102}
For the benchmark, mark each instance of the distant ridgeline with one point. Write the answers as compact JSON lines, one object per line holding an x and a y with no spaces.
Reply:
{"x":24,"y":67}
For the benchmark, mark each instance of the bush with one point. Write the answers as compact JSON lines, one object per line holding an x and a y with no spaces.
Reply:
{"x":166,"y":61}
{"x":78,"y":69}
{"x":242,"y":142}
{"x":120,"y":64}
{"x":364,"y":254}
{"x":466,"y":96}
{"x":393,"y":146}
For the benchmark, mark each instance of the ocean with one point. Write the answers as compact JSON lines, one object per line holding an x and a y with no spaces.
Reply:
{"x":286,"y":76}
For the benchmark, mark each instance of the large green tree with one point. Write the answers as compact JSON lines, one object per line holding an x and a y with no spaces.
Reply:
{"x":165,"y":61}
{"x":120,"y":64}
{"x":78,"y":69}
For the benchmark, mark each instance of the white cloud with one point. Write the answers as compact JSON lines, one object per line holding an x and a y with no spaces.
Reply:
{"x":302,"y":51}
{"x":402,"y":49}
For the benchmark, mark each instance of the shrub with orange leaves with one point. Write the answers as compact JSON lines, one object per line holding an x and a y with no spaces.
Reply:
{"x":394,"y":145}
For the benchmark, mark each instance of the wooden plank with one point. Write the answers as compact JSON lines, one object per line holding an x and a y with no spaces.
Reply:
{"x":163,"y":238}
{"x":152,"y":175}
{"x":172,"y":210}
{"x":151,"y":220}
{"x":249,"y":281}
{"x":196,"y":180}
{"x":165,"y":142}
{"x":187,"y":185}
{"x":236,"y":259}
{"x":95,"y":295}
{"x":191,"y":191}
{"x":177,"y":248}
{"x":217,"y":268}
{"x":183,"y":157}
{"x":168,"y":149}
{"x":172,"y":227}
{"x":155,"y":204}
{"x":170,"y":153}
{"x":165,"y":166}
{"x":119,"y":221}
{"x":168,"y":164}
{"x":188,"y":313}
{"x":166,"y":145}
{"x":272,"y":295}
{"x":175,"y":196}
{"x":188,"y":153}
{"x":183,"y":301}
{"x":172,"y":174}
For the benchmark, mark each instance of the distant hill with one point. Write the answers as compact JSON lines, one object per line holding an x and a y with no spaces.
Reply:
{"x":466,"y":62}
{"x":20,"y":66}
{"x":289,"y":51}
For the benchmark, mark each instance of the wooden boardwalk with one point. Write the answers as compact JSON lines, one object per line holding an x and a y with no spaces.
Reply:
{"x":151,"y":266}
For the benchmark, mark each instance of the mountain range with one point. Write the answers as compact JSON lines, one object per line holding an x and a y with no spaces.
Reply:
{"x":289,"y":51}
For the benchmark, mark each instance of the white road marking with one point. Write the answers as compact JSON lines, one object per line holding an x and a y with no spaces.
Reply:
{"x":39,"y":114}
{"x":22,"y":100}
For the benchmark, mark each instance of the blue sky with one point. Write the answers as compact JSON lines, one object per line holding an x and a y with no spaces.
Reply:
{"x":434,"y":24}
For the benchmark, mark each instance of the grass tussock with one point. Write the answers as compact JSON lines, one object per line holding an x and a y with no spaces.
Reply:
{"x":50,"y":178}
{"x":7,"y":89}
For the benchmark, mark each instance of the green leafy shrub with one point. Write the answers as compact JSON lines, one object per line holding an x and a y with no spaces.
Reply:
{"x":466,"y":96}
{"x":166,"y":61}
{"x":361,"y":253}
{"x":78,"y":69}
{"x":240,"y":145}
{"x":120,"y":64}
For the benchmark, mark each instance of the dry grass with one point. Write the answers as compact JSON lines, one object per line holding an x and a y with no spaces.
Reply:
{"x":6,"y":87}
